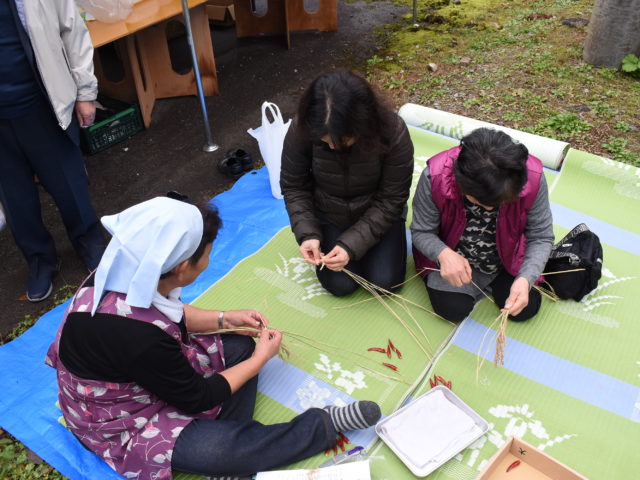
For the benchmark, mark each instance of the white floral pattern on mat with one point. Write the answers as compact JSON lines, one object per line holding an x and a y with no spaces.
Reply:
{"x":589,"y":308}
{"x":312,"y":395}
{"x":298,"y":282}
{"x":626,"y":177}
{"x":509,"y":420}
{"x":345,"y":379}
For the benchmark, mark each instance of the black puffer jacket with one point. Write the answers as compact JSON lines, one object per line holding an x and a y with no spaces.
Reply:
{"x":356,"y":190}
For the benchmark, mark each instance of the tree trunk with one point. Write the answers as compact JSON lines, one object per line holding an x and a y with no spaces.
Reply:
{"x":614,"y":31}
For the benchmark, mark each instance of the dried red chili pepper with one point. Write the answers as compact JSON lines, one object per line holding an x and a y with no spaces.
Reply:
{"x":393,"y":347}
{"x":376,"y":349}
{"x":433,"y":382}
{"x":441,"y":380}
{"x":326,"y":452}
{"x":513,"y":465}
{"x":392,"y":367}
{"x":340,"y":443}
{"x":335,"y":450}
{"x":449,"y":385}
{"x":345,"y":438}
{"x":399,"y":354}
{"x":389,"y":352}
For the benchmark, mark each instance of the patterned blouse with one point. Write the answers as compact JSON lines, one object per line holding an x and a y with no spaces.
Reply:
{"x":478,"y":241}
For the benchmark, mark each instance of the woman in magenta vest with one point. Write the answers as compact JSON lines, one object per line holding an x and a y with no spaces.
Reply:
{"x":482,"y":223}
{"x":144,"y":387}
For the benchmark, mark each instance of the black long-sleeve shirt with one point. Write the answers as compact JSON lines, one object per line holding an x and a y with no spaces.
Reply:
{"x":118,"y":349}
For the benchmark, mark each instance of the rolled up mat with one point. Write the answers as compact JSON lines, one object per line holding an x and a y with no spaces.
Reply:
{"x":550,"y":152}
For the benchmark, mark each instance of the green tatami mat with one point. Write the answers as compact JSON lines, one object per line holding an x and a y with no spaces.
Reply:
{"x":593,"y":441}
{"x":602,"y":188}
{"x":571,"y":382}
{"x":285,"y":288}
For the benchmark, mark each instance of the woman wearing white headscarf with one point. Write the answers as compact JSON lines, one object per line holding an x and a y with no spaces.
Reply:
{"x":138,"y":389}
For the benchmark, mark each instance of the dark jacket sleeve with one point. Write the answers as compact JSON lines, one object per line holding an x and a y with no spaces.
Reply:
{"x":296,"y":184}
{"x":390,"y":199}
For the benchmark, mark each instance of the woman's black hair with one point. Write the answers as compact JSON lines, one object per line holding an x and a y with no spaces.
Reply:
{"x":211,"y":224}
{"x":343,"y":105}
{"x":491,"y":167}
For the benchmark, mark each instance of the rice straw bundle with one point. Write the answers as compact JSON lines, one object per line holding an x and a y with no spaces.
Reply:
{"x":501,"y":338}
{"x":377,"y":292}
{"x":285,"y":352}
{"x":500,"y":323}
{"x":549,"y":293}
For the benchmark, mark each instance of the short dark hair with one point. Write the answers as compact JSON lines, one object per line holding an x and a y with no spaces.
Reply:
{"x":344,"y":105}
{"x":491,"y":167}
{"x":211,"y":224}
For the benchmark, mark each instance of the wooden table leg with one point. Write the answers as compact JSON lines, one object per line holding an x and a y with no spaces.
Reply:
{"x":249,"y":24}
{"x":144,"y":83}
{"x":167,"y":82}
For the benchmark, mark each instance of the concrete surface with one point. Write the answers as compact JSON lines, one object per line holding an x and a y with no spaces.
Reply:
{"x":168,"y":156}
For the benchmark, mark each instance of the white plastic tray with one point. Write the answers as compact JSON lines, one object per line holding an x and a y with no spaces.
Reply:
{"x":410,"y":410}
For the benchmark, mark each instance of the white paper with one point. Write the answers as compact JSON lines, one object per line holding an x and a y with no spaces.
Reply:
{"x":345,"y":471}
{"x":431,"y":430}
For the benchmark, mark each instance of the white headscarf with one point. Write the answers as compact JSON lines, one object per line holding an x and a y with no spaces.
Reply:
{"x":149,"y":239}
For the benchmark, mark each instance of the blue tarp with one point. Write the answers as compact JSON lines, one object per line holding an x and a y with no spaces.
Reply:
{"x":28,"y":411}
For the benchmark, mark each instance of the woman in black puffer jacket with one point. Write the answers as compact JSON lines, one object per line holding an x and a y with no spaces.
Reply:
{"x":347,"y":166}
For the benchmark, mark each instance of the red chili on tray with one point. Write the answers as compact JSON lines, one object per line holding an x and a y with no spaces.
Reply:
{"x":392,"y":367}
{"x":513,"y":465}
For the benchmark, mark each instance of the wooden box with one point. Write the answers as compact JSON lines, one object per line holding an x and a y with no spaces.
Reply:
{"x":534,"y":464}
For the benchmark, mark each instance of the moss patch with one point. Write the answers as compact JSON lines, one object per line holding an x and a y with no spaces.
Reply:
{"x":513,"y":63}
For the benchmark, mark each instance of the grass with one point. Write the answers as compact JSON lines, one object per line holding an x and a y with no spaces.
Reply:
{"x":15,"y":461}
{"x":525,"y":71}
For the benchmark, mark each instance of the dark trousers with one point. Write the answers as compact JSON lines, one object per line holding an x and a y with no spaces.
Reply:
{"x":384,"y":264}
{"x":34,"y":144}
{"x":234,"y":444}
{"x":457,"y":306}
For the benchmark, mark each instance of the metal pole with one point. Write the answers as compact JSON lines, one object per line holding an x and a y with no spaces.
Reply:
{"x":209,"y":146}
{"x":415,"y":13}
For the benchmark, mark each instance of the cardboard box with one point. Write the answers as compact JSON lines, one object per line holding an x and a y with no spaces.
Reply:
{"x":221,"y":15}
{"x":534,"y":464}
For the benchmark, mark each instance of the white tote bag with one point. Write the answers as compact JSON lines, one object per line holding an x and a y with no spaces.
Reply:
{"x":270,"y":136}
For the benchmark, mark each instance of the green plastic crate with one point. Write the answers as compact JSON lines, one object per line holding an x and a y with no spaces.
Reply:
{"x":122,"y":121}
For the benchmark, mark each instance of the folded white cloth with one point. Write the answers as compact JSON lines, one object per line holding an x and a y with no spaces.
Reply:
{"x":430,"y":430}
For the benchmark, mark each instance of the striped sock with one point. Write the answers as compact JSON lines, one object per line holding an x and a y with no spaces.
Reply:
{"x":356,"y":415}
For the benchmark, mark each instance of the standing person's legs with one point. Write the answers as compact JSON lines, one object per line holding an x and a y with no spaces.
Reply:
{"x":337,"y":283}
{"x":59,"y":164}
{"x":19,"y":195}
{"x":501,"y":288}
{"x":385,"y":264}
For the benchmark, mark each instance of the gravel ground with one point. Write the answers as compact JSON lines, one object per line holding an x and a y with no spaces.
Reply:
{"x":168,"y":156}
